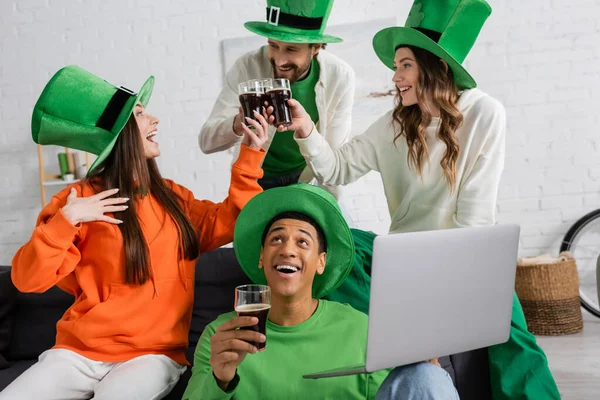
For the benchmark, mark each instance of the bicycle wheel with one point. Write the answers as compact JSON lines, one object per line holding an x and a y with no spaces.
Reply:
{"x":583,"y":241}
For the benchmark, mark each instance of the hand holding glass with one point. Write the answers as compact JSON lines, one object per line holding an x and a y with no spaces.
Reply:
{"x":254,"y":301}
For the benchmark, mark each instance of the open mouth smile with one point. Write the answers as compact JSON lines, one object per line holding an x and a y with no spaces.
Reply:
{"x":286,"y":269}
{"x":403,"y":89}
{"x":150,"y":136}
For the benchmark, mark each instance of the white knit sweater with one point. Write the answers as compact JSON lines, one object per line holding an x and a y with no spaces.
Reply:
{"x":418,"y":203}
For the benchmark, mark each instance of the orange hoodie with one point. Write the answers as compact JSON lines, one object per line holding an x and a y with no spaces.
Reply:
{"x":110,"y":320}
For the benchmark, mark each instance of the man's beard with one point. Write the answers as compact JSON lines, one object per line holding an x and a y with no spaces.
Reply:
{"x":295,"y":71}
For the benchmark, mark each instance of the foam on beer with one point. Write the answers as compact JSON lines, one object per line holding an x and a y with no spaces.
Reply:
{"x":252,"y":307}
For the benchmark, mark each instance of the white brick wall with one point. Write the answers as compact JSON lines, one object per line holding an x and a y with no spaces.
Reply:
{"x":539,"y":58}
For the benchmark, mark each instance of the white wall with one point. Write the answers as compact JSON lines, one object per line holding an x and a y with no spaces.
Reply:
{"x":541,"y":58}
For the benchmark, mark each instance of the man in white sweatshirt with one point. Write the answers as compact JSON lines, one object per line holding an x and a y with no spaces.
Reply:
{"x":320,"y":81}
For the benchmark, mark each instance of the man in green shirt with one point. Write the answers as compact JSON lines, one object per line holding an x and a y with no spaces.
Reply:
{"x":322,"y":82}
{"x":295,"y":240}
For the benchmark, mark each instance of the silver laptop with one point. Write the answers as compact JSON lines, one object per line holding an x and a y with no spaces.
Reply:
{"x":437,"y":293}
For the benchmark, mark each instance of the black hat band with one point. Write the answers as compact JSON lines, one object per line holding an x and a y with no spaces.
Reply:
{"x":113,"y":108}
{"x":276,"y":17}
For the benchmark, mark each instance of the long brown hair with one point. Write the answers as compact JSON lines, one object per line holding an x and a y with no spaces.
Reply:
{"x":437,"y":84}
{"x":128,"y":169}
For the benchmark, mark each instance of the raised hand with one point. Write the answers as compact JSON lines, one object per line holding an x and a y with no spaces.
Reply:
{"x":257,"y":138}
{"x":229,"y":347}
{"x":93,"y":208}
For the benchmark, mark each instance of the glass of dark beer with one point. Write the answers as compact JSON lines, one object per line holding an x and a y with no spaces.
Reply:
{"x":267,"y":85}
{"x":254,"y":301}
{"x":279,"y":94}
{"x":251,"y":97}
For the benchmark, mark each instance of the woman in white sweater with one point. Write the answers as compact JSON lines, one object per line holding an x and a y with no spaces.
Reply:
{"x":440,"y":158}
{"x":440,"y":153}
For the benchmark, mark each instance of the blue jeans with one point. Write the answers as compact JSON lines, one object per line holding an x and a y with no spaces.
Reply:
{"x":420,"y":381}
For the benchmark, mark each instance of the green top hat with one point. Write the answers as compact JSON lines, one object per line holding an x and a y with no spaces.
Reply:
{"x":446,"y":28}
{"x":81,"y":111}
{"x":295,"y":21}
{"x":306,"y":199}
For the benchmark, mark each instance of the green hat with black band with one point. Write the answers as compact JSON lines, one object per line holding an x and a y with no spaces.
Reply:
{"x":81,"y":111}
{"x":309,"y":200}
{"x":295,"y":21}
{"x":446,"y":28}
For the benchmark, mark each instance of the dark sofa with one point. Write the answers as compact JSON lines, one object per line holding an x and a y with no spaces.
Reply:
{"x":28,"y":325}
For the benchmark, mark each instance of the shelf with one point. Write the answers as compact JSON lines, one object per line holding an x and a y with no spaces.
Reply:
{"x":55,"y":180}
{"x":59,"y":182}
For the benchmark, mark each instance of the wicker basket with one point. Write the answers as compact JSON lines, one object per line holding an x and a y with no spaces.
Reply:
{"x":549,"y":294}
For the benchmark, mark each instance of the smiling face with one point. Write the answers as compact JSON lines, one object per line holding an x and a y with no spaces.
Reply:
{"x":148,"y":127}
{"x":291,"y":256}
{"x":291,"y":60}
{"x":406,"y":75}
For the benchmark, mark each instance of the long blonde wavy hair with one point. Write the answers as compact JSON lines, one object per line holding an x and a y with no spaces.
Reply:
{"x":436,"y":83}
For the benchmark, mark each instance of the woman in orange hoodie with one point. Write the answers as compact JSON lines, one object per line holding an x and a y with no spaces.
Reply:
{"x":128,"y":260}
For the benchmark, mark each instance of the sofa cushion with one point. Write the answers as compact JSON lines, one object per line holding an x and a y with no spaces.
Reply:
{"x":8,"y":294}
{"x":13,"y":371}
{"x":34,"y":322}
{"x":217,"y":275}
{"x":472,"y":374}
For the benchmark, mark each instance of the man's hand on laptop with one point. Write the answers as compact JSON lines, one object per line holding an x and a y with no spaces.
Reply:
{"x":229,"y":346}
{"x":435,"y":361}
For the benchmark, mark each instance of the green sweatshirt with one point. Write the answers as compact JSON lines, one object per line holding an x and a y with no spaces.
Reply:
{"x":333,"y":337}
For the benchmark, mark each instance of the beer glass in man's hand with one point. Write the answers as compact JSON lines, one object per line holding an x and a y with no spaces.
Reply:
{"x":279,"y":95}
{"x":251,"y":97}
{"x":254,"y":301}
{"x":267,"y":85}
